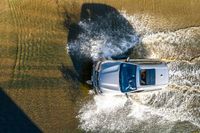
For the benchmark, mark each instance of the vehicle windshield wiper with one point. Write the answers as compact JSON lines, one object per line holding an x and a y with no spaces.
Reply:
{"x":129,"y":88}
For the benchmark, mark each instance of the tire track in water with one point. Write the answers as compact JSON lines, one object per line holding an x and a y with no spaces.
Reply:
{"x":23,"y":42}
{"x":18,"y":53}
{"x":25,"y":45}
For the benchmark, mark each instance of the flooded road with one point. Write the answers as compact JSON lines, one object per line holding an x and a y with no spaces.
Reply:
{"x":168,"y":30}
{"x":48,"y":47}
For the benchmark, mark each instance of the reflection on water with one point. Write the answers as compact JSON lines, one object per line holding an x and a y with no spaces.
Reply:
{"x":167,"y":30}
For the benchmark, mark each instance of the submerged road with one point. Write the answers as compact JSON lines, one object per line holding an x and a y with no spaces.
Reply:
{"x":41,"y":83}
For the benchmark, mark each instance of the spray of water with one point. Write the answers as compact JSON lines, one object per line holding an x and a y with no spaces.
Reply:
{"x":146,"y":112}
{"x":185,"y":74}
{"x":156,"y":111}
{"x":181,"y":44}
{"x":105,"y":37}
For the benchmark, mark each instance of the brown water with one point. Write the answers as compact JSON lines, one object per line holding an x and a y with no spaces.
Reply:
{"x":166,"y":29}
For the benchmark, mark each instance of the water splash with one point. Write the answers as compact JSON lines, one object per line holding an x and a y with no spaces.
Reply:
{"x":161,"y":111}
{"x":152,"y":111}
{"x":185,"y":74}
{"x":94,"y":115}
{"x":105,"y":37}
{"x":181,"y":44}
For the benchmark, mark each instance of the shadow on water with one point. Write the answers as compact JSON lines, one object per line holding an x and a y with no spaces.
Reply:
{"x":13,"y":119}
{"x":100,"y":19}
{"x":69,"y":73}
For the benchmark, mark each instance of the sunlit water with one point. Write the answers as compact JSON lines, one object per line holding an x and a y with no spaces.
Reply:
{"x":175,"y":108}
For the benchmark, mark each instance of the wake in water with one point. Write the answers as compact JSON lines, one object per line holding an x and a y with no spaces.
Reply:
{"x":147,"y":112}
{"x":175,"y":109}
{"x":181,"y":44}
{"x":185,"y":74}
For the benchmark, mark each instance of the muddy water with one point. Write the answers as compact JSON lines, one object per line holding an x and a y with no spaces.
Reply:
{"x":168,"y":30}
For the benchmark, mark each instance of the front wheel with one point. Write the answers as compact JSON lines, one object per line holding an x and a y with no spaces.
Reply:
{"x":97,"y":91}
{"x":89,"y":82}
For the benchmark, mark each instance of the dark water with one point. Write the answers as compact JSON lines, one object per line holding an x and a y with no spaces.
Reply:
{"x":167,"y":30}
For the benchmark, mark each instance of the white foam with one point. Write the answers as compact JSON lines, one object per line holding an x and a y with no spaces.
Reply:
{"x":111,"y":114}
{"x":93,"y":115}
{"x":179,"y":44}
{"x":184,"y":74}
{"x":140,"y":22}
{"x":98,"y":39}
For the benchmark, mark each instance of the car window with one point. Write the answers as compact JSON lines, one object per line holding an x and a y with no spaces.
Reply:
{"x":147,"y":77}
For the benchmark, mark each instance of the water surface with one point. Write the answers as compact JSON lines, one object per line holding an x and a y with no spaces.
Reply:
{"x":166,"y":30}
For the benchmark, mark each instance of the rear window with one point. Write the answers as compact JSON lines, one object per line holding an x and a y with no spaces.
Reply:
{"x":147,"y":76}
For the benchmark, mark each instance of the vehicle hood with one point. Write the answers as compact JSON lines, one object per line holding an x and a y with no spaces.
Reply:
{"x":109,"y":76}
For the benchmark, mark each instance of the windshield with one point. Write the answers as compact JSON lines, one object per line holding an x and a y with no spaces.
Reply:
{"x":127,"y":77}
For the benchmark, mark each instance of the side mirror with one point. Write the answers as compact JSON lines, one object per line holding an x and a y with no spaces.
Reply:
{"x":127,"y":59}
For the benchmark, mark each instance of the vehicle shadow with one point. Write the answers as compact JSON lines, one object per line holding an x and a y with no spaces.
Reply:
{"x":13,"y":119}
{"x":103,"y":19}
